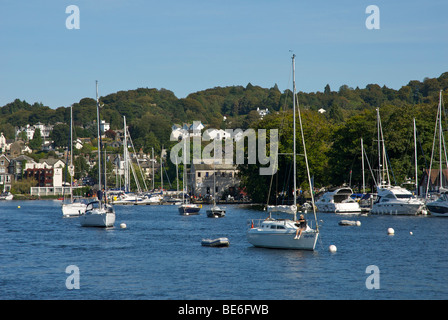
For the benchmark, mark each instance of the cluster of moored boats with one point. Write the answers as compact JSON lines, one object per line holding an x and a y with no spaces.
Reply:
{"x":392,"y":200}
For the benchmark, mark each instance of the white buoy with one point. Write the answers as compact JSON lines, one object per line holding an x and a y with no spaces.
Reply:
{"x":358,"y":223}
{"x":411,"y":233}
{"x":390,"y":231}
{"x":123,"y":225}
{"x":332,"y":248}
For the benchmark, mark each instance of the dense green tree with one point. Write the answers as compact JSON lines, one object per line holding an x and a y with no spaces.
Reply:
{"x":60,"y":135}
{"x":36,"y":142}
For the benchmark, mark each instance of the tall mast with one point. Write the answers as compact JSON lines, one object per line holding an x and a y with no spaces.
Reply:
{"x":380,"y":179}
{"x":161,"y":169}
{"x":153,"y":169}
{"x":126,"y":160}
{"x":415,"y":155}
{"x":440,"y":141}
{"x":304,"y":153}
{"x":99,"y":137}
{"x":294,"y":132}
{"x":71,"y":171}
{"x":363,"y":179}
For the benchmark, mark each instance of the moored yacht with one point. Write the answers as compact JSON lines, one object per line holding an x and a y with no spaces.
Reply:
{"x":75,"y":208}
{"x":338,"y":201}
{"x":439,"y":208}
{"x":287,"y":233}
{"x":98,"y":213}
{"x":396,"y":200}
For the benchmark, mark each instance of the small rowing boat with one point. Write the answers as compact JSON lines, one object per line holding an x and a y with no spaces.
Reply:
{"x":219,"y":242}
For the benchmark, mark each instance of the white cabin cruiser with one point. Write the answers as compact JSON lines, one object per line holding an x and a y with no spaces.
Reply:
{"x":338,"y":201}
{"x":396,"y":200}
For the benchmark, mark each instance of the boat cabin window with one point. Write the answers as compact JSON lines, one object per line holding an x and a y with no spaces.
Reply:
{"x":340,"y":197}
{"x":390,"y":196}
{"x":280,"y":227}
{"x":404,"y":196}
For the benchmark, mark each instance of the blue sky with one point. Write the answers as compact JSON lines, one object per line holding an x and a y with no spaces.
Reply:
{"x":188,"y":46}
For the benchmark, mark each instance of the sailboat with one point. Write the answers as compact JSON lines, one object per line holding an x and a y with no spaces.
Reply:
{"x":281,"y":233}
{"x":75,"y":207}
{"x":98,"y":213}
{"x":187,"y":208}
{"x":439,"y":207}
{"x":215,"y":211}
{"x":391,"y":199}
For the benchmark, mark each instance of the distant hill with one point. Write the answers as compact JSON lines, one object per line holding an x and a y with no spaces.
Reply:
{"x":151,"y":112}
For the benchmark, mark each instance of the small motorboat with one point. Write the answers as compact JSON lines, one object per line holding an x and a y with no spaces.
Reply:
{"x":188,"y":209}
{"x":216,"y":212}
{"x":219,"y":242}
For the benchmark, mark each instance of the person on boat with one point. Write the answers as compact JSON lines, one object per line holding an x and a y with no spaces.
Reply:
{"x":302,"y":226}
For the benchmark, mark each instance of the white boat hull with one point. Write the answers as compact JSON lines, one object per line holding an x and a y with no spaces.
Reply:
{"x":341,"y":208}
{"x":267,"y":237}
{"x":397,"y":209}
{"x":98,"y":219}
{"x":73,"y":209}
{"x":338,"y":201}
{"x":103,"y":217}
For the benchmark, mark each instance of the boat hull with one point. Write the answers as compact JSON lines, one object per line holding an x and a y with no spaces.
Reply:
{"x":98,"y":216}
{"x":73,"y":209}
{"x":275,"y":240}
{"x":187,"y":210}
{"x":437,"y":210}
{"x":340,"y":208}
{"x":98,"y":219}
{"x":280,"y":234}
{"x":397,"y":209}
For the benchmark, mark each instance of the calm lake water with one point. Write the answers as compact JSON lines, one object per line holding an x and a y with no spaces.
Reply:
{"x":159,"y":257}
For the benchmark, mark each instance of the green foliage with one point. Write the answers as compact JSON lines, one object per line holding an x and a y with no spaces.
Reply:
{"x":333,"y":138}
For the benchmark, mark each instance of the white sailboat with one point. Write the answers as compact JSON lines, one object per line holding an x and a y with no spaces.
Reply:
{"x":6,"y":195}
{"x":75,"y":207}
{"x":391,"y":199}
{"x":98,"y":213}
{"x":281,"y":233}
{"x":187,"y":208}
{"x":215,"y":211}
{"x":439,"y":207}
